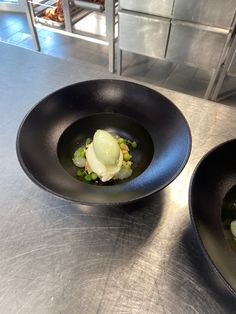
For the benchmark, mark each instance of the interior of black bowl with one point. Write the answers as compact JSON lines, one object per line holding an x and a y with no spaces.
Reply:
{"x":118,"y":125}
{"x":53,"y":128}
{"x":228,"y":214}
{"x":212,"y":180}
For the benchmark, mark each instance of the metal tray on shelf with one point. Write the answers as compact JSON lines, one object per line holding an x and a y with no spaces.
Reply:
{"x":48,"y":22}
{"x":56,"y":24}
{"x":90,"y":5}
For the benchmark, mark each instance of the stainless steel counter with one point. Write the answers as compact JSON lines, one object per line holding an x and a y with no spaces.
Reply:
{"x":59,"y":257}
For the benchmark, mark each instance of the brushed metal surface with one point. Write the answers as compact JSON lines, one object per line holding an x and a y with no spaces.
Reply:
{"x":155,"y":7}
{"x":58,"y":257}
{"x":143,"y":34}
{"x":232,"y":68}
{"x":210,"y":12}
{"x":195,"y":45}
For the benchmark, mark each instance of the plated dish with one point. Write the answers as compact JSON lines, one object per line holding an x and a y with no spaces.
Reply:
{"x":212,"y":199}
{"x":104,"y":158}
{"x":60,"y":123}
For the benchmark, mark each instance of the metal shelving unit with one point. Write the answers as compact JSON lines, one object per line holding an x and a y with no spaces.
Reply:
{"x":199,"y":33}
{"x":226,"y":68}
{"x":69,"y":17}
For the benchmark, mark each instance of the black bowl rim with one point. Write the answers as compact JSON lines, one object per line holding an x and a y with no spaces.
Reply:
{"x":199,"y":238}
{"x":184,"y":162}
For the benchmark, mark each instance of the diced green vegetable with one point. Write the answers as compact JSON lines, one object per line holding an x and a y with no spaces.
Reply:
{"x":134,"y":144}
{"x":79,"y":173}
{"x":233,"y":227}
{"x":80,"y":152}
{"x":88,"y":141}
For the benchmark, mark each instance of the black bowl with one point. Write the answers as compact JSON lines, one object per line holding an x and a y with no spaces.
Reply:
{"x":211,"y":192}
{"x":62,"y":121}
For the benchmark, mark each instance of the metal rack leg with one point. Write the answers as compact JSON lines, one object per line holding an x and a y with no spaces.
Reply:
{"x":224,"y":70}
{"x":224,"y":57}
{"x":211,"y":84}
{"x":119,"y":61}
{"x":30,"y":19}
{"x":67,"y":15}
{"x":110,"y":29}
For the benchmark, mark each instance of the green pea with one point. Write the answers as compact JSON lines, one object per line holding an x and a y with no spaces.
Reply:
{"x":120,"y":140}
{"x":134,"y":144}
{"x":93,"y":176}
{"x":88,"y":177}
{"x":127,"y":156}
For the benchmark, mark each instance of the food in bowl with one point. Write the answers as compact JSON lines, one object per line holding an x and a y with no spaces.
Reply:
{"x":233,"y":228}
{"x":228,"y":214}
{"x":105,"y":157}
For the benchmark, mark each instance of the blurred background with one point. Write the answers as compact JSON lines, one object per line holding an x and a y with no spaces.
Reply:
{"x":183,"y":45}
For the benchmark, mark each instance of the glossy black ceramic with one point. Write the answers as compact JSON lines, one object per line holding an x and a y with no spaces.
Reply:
{"x":213,"y":178}
{"x":58,"y":124}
